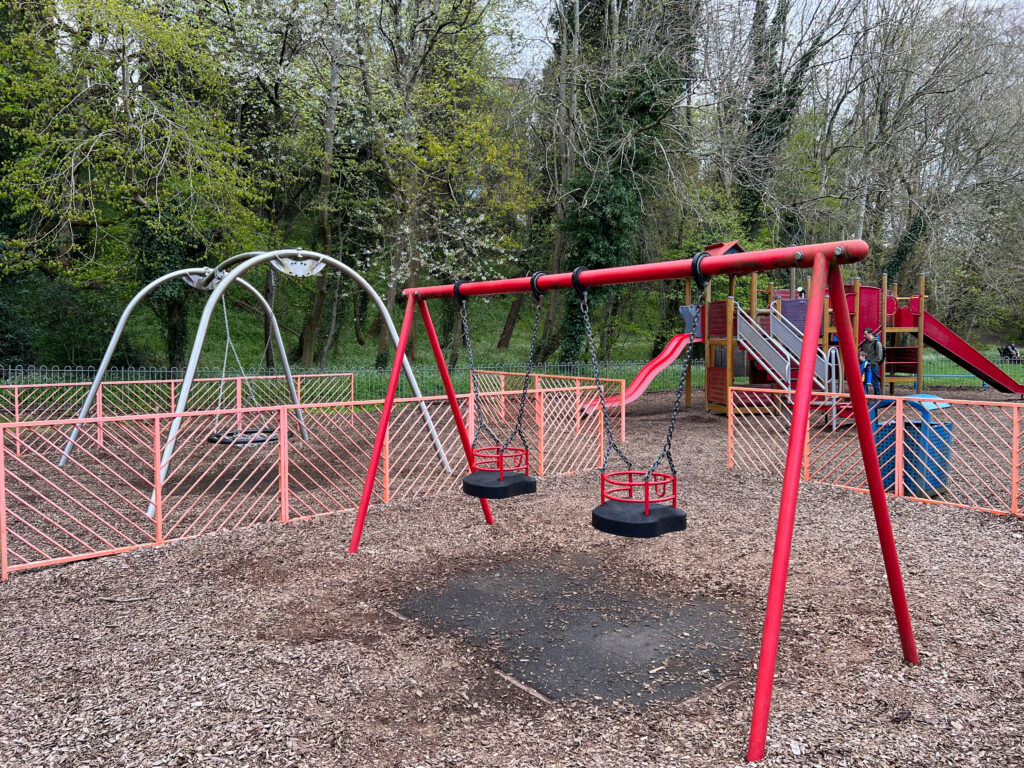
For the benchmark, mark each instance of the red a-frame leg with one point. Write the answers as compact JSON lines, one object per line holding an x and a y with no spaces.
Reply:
{"x":389,"y":402}
{"x":791,"y":487}
{"x":787,"y":511}
{"x":449,"y":390}
{"x":868,"y":450}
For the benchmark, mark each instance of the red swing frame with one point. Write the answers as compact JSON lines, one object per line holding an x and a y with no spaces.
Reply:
{"x":825,"y":260}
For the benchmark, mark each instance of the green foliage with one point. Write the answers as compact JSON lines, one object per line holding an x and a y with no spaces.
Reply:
{"x":115,"y":110}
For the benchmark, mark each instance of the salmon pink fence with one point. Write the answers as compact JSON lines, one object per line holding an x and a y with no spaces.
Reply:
{"x":117,"y":493}
{"x":959,"y":452}
{"x":42,"y":402}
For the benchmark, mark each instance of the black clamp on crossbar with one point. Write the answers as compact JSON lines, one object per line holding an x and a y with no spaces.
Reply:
{"x":698,"y":277}
{"x":580,"y":290}
{"x":458,"y":293}
{"x":538,"y":294}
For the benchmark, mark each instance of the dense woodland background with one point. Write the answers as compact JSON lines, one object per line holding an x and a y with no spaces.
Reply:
{"x":410,"y":139}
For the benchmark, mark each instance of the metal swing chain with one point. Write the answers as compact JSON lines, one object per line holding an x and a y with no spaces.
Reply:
{"x":611,"y":444}
{"x":666,"y":450}
{"x":481,"y":422}
{"x":518,"y":430}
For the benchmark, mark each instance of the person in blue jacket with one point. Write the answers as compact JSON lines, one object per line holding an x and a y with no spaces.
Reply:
{"x":865,"y":371}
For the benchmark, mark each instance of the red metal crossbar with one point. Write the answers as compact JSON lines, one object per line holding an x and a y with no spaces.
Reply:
{"x":826,"y":259}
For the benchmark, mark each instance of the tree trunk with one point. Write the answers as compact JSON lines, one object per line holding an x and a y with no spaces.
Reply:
{"x":610,"y":331}
{"x":332,"y":331}
{"x":309,"y":330}
{"x":359,"y":301}
{"x":307,"y":341}
{"x":510,"y":321}
{"x":177,"y":332}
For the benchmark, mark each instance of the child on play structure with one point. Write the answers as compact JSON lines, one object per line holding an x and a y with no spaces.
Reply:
{"x":865,"y":370}
{"x":874,"y":353}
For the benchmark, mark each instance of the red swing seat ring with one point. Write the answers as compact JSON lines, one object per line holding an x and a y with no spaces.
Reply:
{"x":499,"y":473}
{"x":495,"y":458}
{"x":636,"y":487}
{"x":638,"y":505}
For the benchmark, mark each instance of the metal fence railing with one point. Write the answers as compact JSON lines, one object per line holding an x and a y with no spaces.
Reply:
{"x":371,"y":383}
{"x":964,"y":453}
{"x":74,"y":488}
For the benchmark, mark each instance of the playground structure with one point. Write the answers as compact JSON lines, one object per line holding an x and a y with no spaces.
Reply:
{"x":763,"y":344}
{"x":112,"y":477}
{"x":826,"y":260}
{"x":216,"y":280}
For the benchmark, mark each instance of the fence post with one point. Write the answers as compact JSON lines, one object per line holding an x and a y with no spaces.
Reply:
{"x":171,"y":407}
{"x":385,"y":461}
{"x":807,"y":449}
{"x":238,"y":402}
{"x":1015,"y":460}
{"x":471,"y":410}
{"x":899,"y":435}
{"x":540,"y":431}
{"x":501,"y":385}
{"x":729,"y":417}
{"x":158,"y":505}
{"x":17,"y":419}
{"x":99,"y":415}
{"x":3,"y":511}
{"x":578,"y":408}
{"x":282,"y":464}
{"x":622,"y":409}
{"x":298,"y":387}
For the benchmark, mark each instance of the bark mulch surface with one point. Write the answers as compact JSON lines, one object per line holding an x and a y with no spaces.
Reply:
{"x":534,"y":642}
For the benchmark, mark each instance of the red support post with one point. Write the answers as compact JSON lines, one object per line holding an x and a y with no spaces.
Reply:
{"x":453,"y":402}
{"x":385,"y":415}
{"x":862,"y":417}
{"x":158,"y":486}
{"x":787,"y":510}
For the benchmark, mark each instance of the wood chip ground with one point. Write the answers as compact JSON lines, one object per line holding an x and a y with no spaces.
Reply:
{"x":273,"y":647}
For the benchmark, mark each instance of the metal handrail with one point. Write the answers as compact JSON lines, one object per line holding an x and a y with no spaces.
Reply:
{"x":768,"y":351}
{"x":791,"y":337}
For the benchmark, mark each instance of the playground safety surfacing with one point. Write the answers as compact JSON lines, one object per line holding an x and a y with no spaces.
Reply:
{"x":565,"y":628}
{"x":271,"y":647}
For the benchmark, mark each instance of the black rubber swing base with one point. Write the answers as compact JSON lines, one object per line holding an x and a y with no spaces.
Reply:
{"x":624,"y":518}
{"x":486,"y":485}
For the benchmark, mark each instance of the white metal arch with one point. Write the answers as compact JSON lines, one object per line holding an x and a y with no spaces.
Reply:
{"x":241,"y":264}
{"x":203,"y":275}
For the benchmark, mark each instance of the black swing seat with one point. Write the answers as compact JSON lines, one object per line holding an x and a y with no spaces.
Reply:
{"x":501,"y":473}
{"x":241,"y":437}
{"x":487,"y":484}
{"x":638,"y":505}
{"x":626,"y":518}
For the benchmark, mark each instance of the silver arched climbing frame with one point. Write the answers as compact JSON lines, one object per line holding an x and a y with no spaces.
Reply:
{"x":198,"y":277}
{"x":240,"y":266}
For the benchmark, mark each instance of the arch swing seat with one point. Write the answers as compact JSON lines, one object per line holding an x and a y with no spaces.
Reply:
{"x":238,"y":437}
{"x":243,"y":437}
{"x":635,"y":503}
{"x":500,"y":470}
